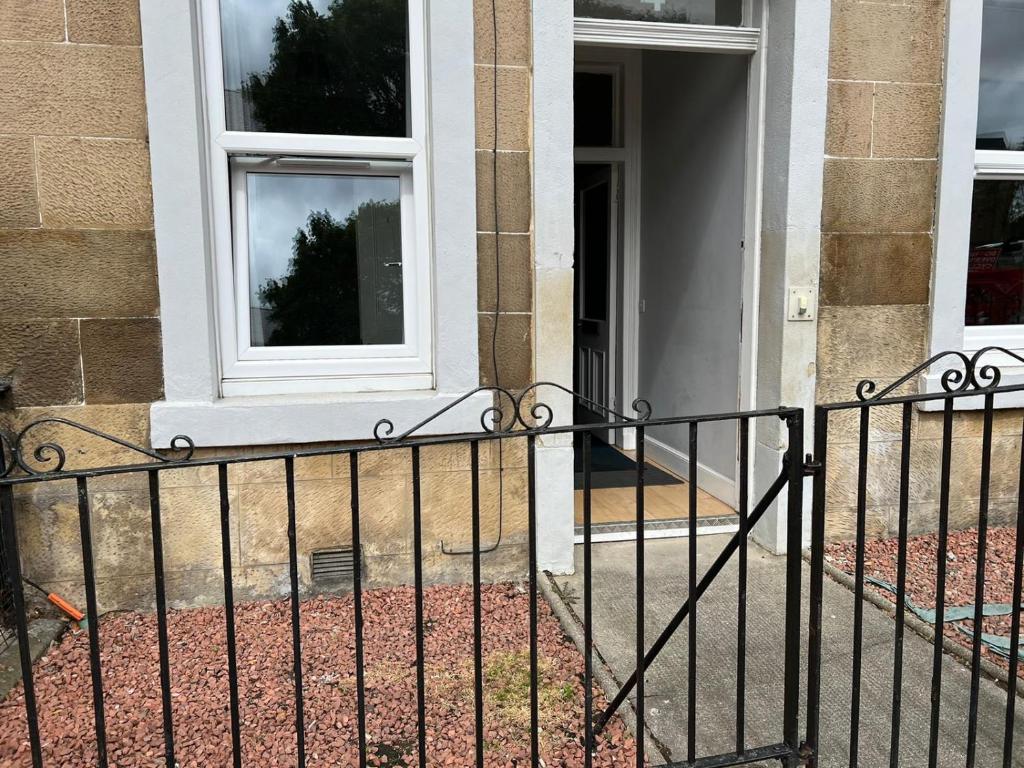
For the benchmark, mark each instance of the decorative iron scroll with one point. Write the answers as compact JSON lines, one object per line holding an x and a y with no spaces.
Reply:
{"x":53,"y":453}
{"x":494,"y":419}
{"x":972,"y":375}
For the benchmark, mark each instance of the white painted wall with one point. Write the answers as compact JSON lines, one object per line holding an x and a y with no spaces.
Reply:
{"x":552,"y":273}
{"x":797,"y":46}
{"x":691,"y":259}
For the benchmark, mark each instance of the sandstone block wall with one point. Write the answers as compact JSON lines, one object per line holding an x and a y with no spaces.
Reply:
{"x":877,"y":255}
{"x":80,"y":330}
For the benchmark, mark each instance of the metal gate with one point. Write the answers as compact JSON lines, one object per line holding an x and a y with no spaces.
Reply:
{"x":519,"y":419}
{"x":958,"y":379}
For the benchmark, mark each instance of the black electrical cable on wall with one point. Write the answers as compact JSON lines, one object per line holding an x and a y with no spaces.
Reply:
{"x":497,"y":295}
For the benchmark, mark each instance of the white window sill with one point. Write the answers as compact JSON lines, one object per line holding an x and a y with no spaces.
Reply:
{"x":288,"y":419}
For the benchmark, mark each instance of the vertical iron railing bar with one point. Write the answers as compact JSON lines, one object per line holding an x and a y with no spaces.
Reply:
{"x":901,"y":587}
{"x":691,"y":593}
{"x":940,"y":583}
{"x":1018,"y":577}
{"x":10,"y":542}
{"x":794,"y":562}
{"x":92,"y":609}
{"x":817,"y":578}
{"x":640,"y":655}
{"x":357,"y":605}
{"x":858,"y":578}
{"x":417,"y":554}
{"x":588,"y":611}
{"x":161,"y":616}
{"x":478,"y":652}
{"x":741,"y":596}
{"x":979,"y":579}
{"x":293,"y":576}
{"x":229,"y":614}
{"x":531,"y":503}
{"x":92,"y":613}
{"x":706,"y":580}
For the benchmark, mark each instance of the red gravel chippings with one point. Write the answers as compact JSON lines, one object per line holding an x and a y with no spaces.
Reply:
{"x":880,"y":560}
{"x":266,"y":687}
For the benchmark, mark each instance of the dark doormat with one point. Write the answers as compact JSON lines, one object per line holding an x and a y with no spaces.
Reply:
{"x":610,"y":468}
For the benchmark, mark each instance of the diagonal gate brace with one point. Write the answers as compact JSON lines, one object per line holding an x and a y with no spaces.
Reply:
{"x":716,"y":567}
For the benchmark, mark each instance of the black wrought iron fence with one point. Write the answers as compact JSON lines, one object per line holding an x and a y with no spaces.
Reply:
{"x":835,"y":733}
{"x":514,"y":418}
{"x":6,"y":592}
{"x":891,"y":416}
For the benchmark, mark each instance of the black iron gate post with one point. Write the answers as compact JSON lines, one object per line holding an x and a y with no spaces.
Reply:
{"x":12,"y":573}
{"x":816,"y":467}
{"x":794,"y":562}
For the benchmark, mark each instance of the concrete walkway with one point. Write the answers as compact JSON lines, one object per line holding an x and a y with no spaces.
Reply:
{"x":666,"y":681}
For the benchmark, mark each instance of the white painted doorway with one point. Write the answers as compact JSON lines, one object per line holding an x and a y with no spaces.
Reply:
{"x":701,"y":359}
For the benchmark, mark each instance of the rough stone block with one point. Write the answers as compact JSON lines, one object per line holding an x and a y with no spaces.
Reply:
{"x":878,"y":195}
{"x":514,"y":192}
{"x":71,"y":90}
{"x":78,"y":273}
{"x":894,"y":43}
{"x":109,"y":22}
{"x":870,"y":342}
{"x":514,"y":109}
{"x":321,"y":514}
{"x":19,"y":203}
{"x":122,"y":360}
{"x":44,"y":359}
{"x":36,"y":20}
{"x":190,"y":522}
{"x":848,"y":128}
{"x":875,"y":269}
{"x":907,"y":120}
{"x":94,"y":183}
{"x":516,"y":258}
{"x":514,"y":40}
{"x":514,"y":350}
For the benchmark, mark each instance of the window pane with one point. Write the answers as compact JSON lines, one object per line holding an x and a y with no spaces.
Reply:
{"x":995,"y":273}
{"x":722,"y":12}
{"x":594,"y":107}
{"x":325,"y":260}
{"x":1001,"y":93}
{"x":317,"y":66}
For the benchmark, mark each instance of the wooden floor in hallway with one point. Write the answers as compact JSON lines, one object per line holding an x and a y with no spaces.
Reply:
{"x":661,"y":502}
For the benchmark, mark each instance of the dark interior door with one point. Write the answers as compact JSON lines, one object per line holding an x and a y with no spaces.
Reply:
{"x":594,"y":247}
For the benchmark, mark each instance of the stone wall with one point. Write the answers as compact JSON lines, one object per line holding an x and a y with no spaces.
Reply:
{"x":79,"y":331}
{"x":882,"y":146}
{"x":513,"y":343}
{"x":78,"y":288}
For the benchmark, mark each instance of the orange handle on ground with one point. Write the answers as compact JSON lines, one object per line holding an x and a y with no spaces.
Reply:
{"x":65,"y":607}
{"x":73,"y":613}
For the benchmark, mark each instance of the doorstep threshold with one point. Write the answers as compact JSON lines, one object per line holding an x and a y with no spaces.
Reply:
{"x":658,"y":529}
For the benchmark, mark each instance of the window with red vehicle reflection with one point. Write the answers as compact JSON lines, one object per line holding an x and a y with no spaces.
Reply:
{"x":995,"y":272}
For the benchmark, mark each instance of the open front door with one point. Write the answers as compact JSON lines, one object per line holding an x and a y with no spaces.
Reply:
{"x":595,"y":238}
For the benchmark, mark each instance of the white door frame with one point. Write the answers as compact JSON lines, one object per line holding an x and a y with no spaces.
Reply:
{"x":792,"y":152}
{"x":623,"y":42}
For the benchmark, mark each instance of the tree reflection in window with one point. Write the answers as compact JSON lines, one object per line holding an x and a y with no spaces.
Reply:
{"x":343,"y":285}
{"x":339,"y":72}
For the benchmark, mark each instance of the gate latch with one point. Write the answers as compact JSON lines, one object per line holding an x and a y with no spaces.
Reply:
{"x":812,"y":467}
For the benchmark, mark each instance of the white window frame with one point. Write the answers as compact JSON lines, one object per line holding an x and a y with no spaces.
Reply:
{"x":248,"y":370}
{"x":190,"y":175}
{"x":960,"y":166}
